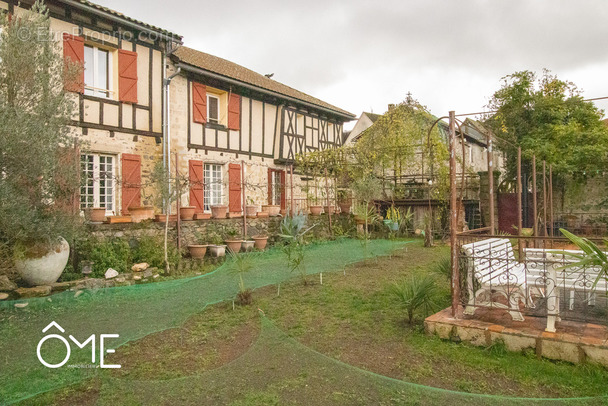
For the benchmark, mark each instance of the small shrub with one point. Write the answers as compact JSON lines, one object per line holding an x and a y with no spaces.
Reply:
{"x":105,"y":253}
{"x":150,"y":249}
{"x":416,"y":293}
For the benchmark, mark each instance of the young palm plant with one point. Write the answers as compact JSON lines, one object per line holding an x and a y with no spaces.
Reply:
{"x":292,"y":232}
{"x":241,"y":264}
{"x":415,"y":294}
{"x":592,"y":256}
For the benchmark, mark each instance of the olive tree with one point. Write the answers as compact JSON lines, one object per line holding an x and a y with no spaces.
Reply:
{"x":38,"y":155}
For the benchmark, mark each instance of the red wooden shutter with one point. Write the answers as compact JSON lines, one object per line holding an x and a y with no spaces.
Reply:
{"x":283,"y":190}
{"x":269,"y":186}
{"x":234,"y":188}
{"x":73,"y":53}
{"x":199,"y":103}
{"x":197,"y":190}
{"x":234,"y":112}
{"x":131,"y":182}
{"x":127,"y":76}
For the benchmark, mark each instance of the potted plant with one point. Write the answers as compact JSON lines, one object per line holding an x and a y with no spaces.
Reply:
{"x":219,"y":211}
{"x":95,"y":214}
{"x":314,"y":207}
{"x":197,"y":251}
{"x":187,"y":212}
{"x":40,"y":163}
{"x":260,"y":241}
{"x":141,"y":213}
{"x":216,"y":248}
{"x":393,"y":218}
{"x":344,"y":201}
{"x":232,"y":241}
{"x":251,"y":210}
{"x":273,"y":210}
{"x":161,"y":218}
{"x":247,"y":245}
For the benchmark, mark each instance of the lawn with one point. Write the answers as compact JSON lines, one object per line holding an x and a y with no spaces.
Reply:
{"x":343,"y":342}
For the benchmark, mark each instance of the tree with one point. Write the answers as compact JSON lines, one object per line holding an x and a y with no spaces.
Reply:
{"x":548,"y":117}
{"x":38,"y":158}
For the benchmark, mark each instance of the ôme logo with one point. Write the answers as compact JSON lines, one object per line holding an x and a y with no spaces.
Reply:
{"x":91,"y":340}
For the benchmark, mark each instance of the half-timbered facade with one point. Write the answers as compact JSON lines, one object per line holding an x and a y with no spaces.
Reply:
{"x":224,"y":116}
{"x":119,"y":95}
{"x":143,"y":98}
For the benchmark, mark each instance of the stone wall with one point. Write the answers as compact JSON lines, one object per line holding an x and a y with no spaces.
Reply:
{"x":196,"y":231}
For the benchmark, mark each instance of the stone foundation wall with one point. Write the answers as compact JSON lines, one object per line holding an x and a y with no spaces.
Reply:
{"x":195,"y":232}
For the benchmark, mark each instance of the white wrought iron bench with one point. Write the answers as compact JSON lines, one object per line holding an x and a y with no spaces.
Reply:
{"x":492,"y":264}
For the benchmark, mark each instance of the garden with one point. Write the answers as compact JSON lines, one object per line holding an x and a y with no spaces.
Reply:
{"x":343,"y":338}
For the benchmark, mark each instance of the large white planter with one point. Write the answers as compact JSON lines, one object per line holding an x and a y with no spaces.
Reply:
{"x":44,"y":270}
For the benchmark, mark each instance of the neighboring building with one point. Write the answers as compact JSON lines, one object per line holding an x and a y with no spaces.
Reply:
{"x":224,"y":115}
{"x":219,"y":115}
{"x":412,"y":187}
{"x":365,"y":121}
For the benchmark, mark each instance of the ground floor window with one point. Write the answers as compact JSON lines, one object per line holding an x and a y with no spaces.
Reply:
{"x":97,"y":181}
{"x":276,"y":188}
{"x":213,"y":185}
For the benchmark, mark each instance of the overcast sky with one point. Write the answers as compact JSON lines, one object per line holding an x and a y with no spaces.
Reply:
{"x":363,"y":55}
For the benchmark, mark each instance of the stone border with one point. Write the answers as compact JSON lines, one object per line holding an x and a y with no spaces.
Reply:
{"x":590,"y":346}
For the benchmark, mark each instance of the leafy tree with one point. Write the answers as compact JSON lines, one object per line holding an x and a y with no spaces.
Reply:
{"x":38,"y":158}
{"x":547,"y":117}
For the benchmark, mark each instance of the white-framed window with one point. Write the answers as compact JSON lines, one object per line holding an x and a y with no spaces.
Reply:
{"x":97,"y":72}
{"x":213,"y":185}
{"x":98,"y":186}
{"x":213,"y":109}
{"x":275,"y":187}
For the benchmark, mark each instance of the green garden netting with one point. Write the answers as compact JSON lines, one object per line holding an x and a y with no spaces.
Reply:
{"x":278,"y":370}
{"x":274,"y":370}
{"x":136,"y":311}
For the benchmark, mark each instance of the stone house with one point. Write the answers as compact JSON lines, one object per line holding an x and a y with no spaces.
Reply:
{"x":224,"y":116}
{"x":214,"y":114}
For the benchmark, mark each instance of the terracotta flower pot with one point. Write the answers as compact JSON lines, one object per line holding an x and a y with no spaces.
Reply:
{"x":247,"y":246}
{"x":95,"y":214}
{"x":219,"y":212}
{"x":197,"y":251}
{"x":202,"y":216}
{"x":251,"y":211}
{"x":272,"y":209}
{"x":234,"y":245}
{"x":260,"y":242}
{"x":187,"y":212}
{"x":345,"y":207}
{"x":141,"y":213}
{"x":316,"y":210}
{"x":263,"y":214}
{"x":329,"y":209}
{"x":160,"y":218}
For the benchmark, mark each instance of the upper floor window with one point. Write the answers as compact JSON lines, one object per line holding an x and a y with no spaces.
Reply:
{"x":97,"y":72}
{"x":213,"y":108}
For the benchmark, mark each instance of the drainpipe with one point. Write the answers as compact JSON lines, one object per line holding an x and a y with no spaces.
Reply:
{"x":167,"y":134}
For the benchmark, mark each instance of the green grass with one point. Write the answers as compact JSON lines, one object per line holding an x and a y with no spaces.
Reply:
{"x":353,"y":318}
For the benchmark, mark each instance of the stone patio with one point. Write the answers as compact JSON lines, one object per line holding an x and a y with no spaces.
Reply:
{"x":573,"y":341}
